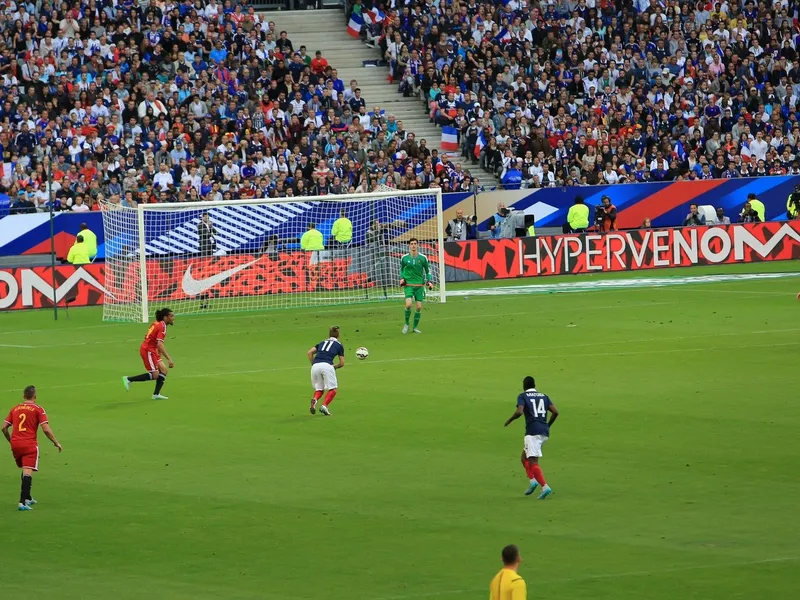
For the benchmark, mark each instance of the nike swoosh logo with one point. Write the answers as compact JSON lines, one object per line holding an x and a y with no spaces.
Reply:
{"x":194,"y":287}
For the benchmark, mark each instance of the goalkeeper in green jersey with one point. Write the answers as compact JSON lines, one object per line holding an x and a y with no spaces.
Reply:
{"x":415,"y":276}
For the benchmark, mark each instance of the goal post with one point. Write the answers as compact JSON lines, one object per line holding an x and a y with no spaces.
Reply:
{"x":260,"y":254}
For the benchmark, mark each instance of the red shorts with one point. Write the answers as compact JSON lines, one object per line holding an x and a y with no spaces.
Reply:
{"x":27,"y":457}
{"x":150,"y":359}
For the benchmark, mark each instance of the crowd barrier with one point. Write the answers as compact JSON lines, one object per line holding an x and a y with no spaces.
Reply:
{"x":621,"y":251}
{"x":665,"y":204}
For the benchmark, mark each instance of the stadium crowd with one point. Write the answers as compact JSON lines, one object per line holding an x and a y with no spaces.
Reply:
{"x":581,"y":92}
{"x":151,"y":100}
{"x":130,"y":101}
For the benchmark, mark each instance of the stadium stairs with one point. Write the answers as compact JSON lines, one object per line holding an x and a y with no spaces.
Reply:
{"x":326,"y":30}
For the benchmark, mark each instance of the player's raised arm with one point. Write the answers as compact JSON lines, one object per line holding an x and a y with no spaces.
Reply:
{"x":51,"y":436}
{"x":311,"y":354}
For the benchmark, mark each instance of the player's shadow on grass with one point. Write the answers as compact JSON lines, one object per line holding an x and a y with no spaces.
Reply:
{"x":114,"y":405}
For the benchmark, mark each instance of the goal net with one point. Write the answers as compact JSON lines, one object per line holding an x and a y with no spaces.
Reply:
{"x":205,"y":257}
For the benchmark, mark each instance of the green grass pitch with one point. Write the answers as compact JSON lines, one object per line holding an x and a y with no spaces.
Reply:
{"x":675,"y":460}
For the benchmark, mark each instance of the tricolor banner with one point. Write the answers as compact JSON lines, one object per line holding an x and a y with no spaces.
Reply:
{"x":449,"y":138}
{"x":355,"y":24}
{"x":374,"y":16}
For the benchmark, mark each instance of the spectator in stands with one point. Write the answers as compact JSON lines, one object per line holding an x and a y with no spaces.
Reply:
{"x":577,"y":217}
{"x":22,"y":204}
{"x":694,"y":218}
{"x":90,"y":239}
{"x":79,"y":252}
{"x":592,"y":83}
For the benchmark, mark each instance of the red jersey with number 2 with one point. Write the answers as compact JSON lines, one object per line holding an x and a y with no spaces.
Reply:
{"x":25,"y":420}
{"x":156,"y":333}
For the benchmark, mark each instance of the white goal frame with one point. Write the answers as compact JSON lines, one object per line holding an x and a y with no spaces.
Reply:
{"x":334,"y":199}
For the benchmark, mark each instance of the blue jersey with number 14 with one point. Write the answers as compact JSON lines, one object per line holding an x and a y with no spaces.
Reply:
{"x":534,"y":407}
{"x":327,"y":350}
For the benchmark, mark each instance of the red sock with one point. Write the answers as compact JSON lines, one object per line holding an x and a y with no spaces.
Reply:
{"x":329,"y":397}
{"x":317,"y":395}
{"x":536,"y":470}
{"x":527,"y":465}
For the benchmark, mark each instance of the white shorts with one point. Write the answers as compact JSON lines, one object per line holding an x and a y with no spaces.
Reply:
{"x":323,"y":377}
{"x":533,"y":445}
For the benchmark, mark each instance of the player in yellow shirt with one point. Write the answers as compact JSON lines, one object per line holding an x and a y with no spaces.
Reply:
{"x":508,"y":584}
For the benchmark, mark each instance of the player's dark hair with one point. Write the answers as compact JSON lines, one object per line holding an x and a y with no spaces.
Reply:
{"x":334,"y":331}
{"x":29,"y":393}
{"x":79,"y":238}
{"x":413,"y":240}
{"x":528,"y":383}
{"x":578,"y":199}
{"x":162,"y":314}
{"x":510,"y":555}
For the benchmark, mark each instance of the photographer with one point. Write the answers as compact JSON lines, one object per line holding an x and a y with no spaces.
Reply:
{"x":793,"y":203}
{"x":748,"y":214}
{"x":694,"y":218}
{"x":605,"y":215}
{"x":461,"y":228}
{"x":757,"y":206}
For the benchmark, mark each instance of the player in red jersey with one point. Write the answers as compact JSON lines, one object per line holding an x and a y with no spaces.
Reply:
{"x":151,"y":351}
{"x":25,"y":420}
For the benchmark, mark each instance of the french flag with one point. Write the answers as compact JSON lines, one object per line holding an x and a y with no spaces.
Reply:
{"x":480,"y":142}
{"x":745,"y":153}
{"x":374,"y":16}
{"x":355,"y":24}
{"x":503,"y":36}
{"x":449,"y":138}
{"x":679,"y":151}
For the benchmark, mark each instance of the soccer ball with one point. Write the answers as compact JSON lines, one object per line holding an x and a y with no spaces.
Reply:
{"x":362,"y":353}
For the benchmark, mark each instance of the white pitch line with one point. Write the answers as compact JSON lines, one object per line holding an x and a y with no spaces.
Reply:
{"x":16,"y":346}
{"x":709,"y":566}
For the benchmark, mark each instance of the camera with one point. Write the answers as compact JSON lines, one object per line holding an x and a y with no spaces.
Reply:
{"x":599,"y":215}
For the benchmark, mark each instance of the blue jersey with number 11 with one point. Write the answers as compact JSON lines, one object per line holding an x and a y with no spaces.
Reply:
{"x":327,"y":350}
{"x":534,"y":406}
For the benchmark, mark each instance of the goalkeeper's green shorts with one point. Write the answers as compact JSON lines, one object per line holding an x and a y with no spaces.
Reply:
{"x":415,"y":292}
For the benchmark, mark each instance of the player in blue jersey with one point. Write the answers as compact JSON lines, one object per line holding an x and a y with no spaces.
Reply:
{"x":535,"y":406}
{"x":323,"y":370}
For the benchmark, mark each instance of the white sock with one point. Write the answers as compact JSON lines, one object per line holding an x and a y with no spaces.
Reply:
{"x":533,"y":481}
